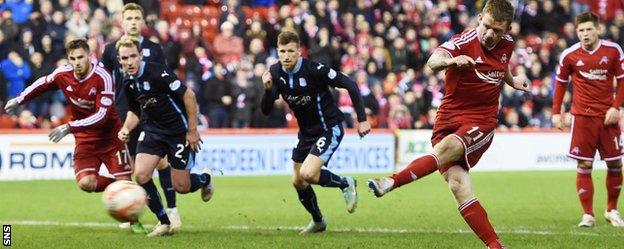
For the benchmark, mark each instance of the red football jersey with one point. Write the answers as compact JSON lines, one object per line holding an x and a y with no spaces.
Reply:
{"x":592,"y":75}
{"x":471,"y":94}
{"x":90,"y":100}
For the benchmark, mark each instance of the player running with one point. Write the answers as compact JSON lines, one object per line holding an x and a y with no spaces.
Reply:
{"x":304,"y":85}
{"x":167,"y":112}
{"x":90,"y":93}
{"x":132,"y":22}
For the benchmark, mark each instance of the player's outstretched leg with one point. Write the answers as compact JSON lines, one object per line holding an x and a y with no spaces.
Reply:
{"x":312,"y":172}
{"x":186,"y":182}
{"x":470,"y":208}
{"x":164,"y":175}
{"x":585,"y":191}
{"x":145,"y":165}
{"x":307,"y":198}
{"x":449,"y":149}
{"x":614,"y":185}
{"x":94,"y":183}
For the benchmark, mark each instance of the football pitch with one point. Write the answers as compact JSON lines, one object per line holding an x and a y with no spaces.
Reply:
{"x":528,"y":209}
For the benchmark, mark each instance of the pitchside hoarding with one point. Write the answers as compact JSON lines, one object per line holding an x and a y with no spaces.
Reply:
{"x":30,"y":157}
{"x":509,"y":151}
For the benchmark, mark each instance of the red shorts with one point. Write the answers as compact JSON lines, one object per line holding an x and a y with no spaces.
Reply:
{"x":88,"y":156}
{"x":589,"y":134}
{"x":475,"y":137}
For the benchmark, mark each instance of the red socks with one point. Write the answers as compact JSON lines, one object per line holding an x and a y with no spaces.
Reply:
{"x":418,"y":168}
{"x":477,"y":219}
{"x":101,"y":182}
{"x":614,"y":185}
{"x":585,"y":189}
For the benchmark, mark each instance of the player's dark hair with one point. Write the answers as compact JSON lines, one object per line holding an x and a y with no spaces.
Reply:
{"x":501,"y":10}
{"x":127,"y":42}
{"x":132,"y":6}
{"x":77,"y":44}
{"x":286,"y":37}
{"x":587,"y":17}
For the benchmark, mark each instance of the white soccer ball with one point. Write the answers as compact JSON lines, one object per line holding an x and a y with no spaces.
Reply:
{"x":124,"y":200}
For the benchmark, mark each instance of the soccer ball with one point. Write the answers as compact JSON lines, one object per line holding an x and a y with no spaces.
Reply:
{"x":124,"y":200}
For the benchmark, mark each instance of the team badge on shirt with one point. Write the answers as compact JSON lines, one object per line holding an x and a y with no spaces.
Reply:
{"x":604,"y":60}
{"x":146,"y":52}
{"x":331,"y":74}
{"x":93,"y":91}
{"x":302,"y":82}
{"x":146,"y":86}
{"x":175,"y":85}
{"x":106,"y":101}
{"x":504,"y":58}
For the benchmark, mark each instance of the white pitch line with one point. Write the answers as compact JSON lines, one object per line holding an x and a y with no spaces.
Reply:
{"x":399,"y":230}
{"x":297,"y":228}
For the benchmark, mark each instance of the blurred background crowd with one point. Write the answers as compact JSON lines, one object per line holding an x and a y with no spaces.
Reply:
{"x":221,"y":48}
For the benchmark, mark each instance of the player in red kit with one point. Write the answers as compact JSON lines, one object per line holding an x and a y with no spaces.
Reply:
{"x":88,"y":88}
{"x":476,"y":63}
{"x":592,"y":65}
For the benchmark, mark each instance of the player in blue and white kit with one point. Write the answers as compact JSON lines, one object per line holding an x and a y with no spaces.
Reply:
{"x":304,"y":85}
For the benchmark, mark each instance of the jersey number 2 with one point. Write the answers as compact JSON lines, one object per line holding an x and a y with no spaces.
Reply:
{"x":178,"y":153}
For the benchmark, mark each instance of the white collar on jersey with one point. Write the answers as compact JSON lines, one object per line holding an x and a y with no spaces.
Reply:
{"x":599,"y":41}
{"x":141,"y":69}
{"x":94,"y":64}
{"x":297,"y":66}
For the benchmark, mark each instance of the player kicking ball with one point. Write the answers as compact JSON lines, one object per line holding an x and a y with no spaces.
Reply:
{"x":304,"y":85}
{"x":88,"y":88}
{"x":592,"y":65}
{"x":167,"y":112}
{"x":476,"y":63}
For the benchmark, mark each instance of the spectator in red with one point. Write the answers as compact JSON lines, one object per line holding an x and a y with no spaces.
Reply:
{"x":227,"y":47}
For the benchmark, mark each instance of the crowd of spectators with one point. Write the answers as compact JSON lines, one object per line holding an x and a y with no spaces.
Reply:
{"x":382,"y":45}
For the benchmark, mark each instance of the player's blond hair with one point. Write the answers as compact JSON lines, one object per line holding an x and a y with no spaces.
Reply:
{"x":127,"y":42}
{"x":501,"y":10}
{"x":77,"y":44}
{"x":132,"y":6}
{"x":587,"y":17}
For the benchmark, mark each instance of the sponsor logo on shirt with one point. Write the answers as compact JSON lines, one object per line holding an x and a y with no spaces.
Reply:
{"x":82,"y":103}
{"x":491,"y":77}
{"x":294,"y":100}
{"x":595,"y":74}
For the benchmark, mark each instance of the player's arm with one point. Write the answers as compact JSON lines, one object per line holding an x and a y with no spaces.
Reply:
{"x":270,"y":94}
{"x":168,"y":81}
{"x":35,"y":89}
{"x":442,"y":59}
{"x":519,"y":82}
{"x":104,"y":100}
{"x":192,"y":136}
{"x":337,"y":79}
{"x":561,"y":83}
{"x":131,"y":122}
{"x":613,"y":114}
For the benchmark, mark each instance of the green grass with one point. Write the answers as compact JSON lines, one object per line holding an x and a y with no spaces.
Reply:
{"x":529,"y":209}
